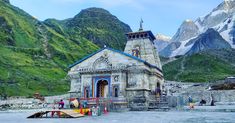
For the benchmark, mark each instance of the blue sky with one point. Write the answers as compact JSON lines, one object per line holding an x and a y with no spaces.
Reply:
{"x":160,"y":16}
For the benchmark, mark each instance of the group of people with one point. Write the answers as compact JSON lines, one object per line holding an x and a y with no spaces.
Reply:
{"x":201,"y":103}
{"x":158,"y":93}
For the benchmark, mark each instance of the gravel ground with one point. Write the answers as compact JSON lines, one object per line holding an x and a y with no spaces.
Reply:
{"x":128,"y":117}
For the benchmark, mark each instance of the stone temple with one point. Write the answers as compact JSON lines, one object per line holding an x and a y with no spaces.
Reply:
{"x":108,"y":73}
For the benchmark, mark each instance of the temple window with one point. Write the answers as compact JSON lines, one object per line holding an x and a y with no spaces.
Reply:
{"x":145,"y":35}
{"x":86,"y":92}
{"x":115,"y":91}
{"x":138,"y":36}
{"x":136,"y":51}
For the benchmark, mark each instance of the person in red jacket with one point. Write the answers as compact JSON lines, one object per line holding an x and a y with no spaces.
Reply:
{"x":61,"y":104}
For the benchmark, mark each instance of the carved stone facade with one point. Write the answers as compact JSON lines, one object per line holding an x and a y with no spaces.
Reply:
{"x":132,"y":74}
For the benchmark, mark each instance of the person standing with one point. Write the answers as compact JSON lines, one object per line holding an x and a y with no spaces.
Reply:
{"x":190,"y":101}
{"x":61,"y":104}
{"x":212,"y":100}
{"x":158,"y":91}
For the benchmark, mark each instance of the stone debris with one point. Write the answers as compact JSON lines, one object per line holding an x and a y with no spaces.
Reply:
{"x":179,"y":92}
{"x":31,"y":103}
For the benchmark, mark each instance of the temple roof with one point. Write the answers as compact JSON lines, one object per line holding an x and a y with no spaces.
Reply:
{"x":141,"y":34}
{"x":117,"y":51}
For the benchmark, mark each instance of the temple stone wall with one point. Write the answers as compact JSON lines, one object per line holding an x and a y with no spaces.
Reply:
{"x":75,"y":85}
{"x":123,"y":83}
{"x":116,"y":80}
{"x":147,"y":50}
{"x":138,"y":99}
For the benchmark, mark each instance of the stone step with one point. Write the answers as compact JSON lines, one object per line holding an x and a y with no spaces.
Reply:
{"x":158,"y":103}
{"x":158,"y":106}
{"x":159,"y":109}
{"x":155,"y":107}
{"x":164,"y":100}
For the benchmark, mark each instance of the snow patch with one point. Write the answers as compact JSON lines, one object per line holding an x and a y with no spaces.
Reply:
{"x":225,"y":34}
{"x":218,"y":12}
{"x":188,"y":20}
{"x":163,"y":37}
{"x":200,"y":28}
{"x":183,"y":49}
{"x":228,"y":0}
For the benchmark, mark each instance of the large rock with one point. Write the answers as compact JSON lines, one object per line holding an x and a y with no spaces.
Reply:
{"x":211,"y":39}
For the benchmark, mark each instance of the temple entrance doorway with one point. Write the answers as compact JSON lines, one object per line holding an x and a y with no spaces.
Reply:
{"x":158,"y":85}
{"x":102,"y":88}
{"x":158,"y":89}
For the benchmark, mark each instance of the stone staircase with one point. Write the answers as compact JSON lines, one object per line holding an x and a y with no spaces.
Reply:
{"x":158,"y":103}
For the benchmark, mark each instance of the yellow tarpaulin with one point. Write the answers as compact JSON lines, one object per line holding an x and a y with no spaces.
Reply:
{"x":75,"y":103}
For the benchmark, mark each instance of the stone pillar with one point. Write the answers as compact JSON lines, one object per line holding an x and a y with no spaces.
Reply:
{"x":138,"y":99}
{"x":75,"y":86}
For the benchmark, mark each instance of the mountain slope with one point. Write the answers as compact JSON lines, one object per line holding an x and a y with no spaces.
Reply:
{"x":202,"y":67}
{"x":34,"y":55}
{"x":96,"y":25}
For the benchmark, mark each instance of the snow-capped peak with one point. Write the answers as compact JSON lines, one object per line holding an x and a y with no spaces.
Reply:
{"x":221,"y":19}
{"x":227,"y":5}
{"x":163,"y":37}
{"x":187,"y":30}
{"x":228,"y":0}
{"x":188,"y":20}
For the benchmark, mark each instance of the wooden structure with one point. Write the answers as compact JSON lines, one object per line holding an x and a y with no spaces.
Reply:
{"x":56,"y":114}
{"x":38,"y":96}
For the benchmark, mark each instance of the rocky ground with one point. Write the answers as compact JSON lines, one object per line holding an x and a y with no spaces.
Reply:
{"x":198,"y":91}
{"x":32,"y":103}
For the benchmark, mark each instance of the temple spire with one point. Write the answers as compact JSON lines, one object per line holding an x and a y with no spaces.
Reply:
{"x":141,"y":25}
